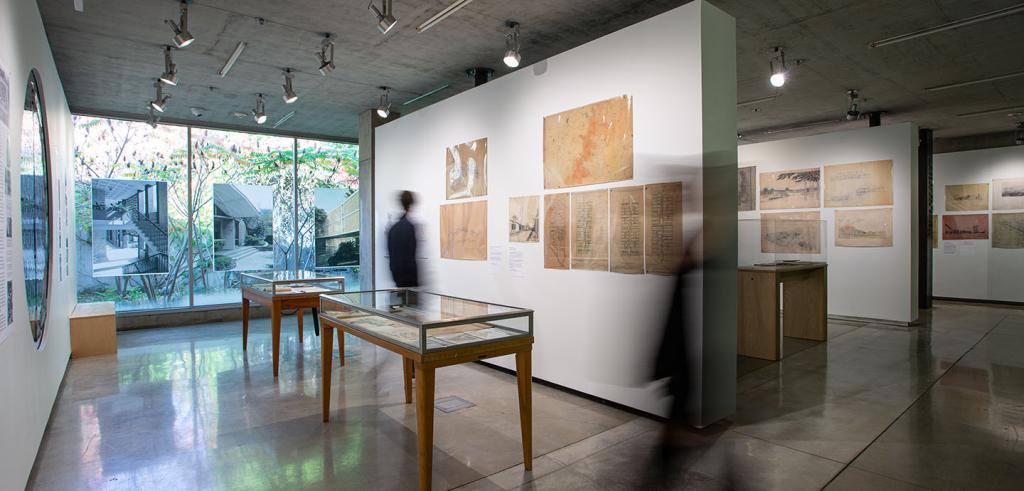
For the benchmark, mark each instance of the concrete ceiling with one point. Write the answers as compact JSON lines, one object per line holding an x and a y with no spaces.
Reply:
{"x":110,"y":54}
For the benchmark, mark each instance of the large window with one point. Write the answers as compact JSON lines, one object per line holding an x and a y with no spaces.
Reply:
{"x":241,"y":206}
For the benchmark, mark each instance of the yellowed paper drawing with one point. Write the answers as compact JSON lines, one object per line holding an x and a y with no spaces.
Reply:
{"x":967,"y":197}
{"x":627,"y":233}
{"x":791,"y":232}
{"x":556,"y":231}
{"x":864,"y":228}
{"x":591,"y":144}
{"x":464,"y":231}
{"x":798,"y":188}
{"x":590,"y":230}
{"x":663,"y":207}
{"x":858,"y":184}
{"x":466,"y":170}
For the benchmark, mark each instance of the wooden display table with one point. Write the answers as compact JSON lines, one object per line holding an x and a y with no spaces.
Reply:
{"x":283,"y":290}
{"x":804,"y":306}
{"x":93,"y":329}
{"x":453,"y":331}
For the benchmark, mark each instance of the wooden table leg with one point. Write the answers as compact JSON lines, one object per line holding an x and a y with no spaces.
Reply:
{"x":298,"y":319}
{"x":425,"y":423}
{"x":326,"y":359}
{"x":245,"y":324}
{"x":275,"y":334}
{"x":407,"y":378}
{"x":341,"y":344}
{"x":316,"y":321}
{"x":524,"y":378}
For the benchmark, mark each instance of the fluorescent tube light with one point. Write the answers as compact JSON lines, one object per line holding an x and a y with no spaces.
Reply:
{"x":995,"y":14}
{"x":232,"y":59}
{"x":442,"y":15}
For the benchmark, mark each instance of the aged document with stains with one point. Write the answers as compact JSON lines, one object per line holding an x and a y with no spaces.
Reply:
{"x":1008,"y":230}
{"x":864,"y":228}
{"x":464,"y":231}
{"x":746,"y":197}
{"x":791,"y":233}
{"x":966,"y":197}
{"x":524,"y":219}
{"x":590,"y":230}
{"x":858,"y":184}
{"x":589,"y":145}
{"x":800,"y":188}
{"x":465,"y":169}
{"x":663,"y":207}
{"x":1008,"y":194}
{"x":556,"y":231}
{"x":627,"y":234}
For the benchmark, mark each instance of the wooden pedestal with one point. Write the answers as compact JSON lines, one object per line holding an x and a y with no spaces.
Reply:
{"x":93,"y":329}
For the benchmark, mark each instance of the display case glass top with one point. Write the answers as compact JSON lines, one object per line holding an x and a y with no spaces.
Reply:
{"x":423,"y":321}
{"x":293,"y":282}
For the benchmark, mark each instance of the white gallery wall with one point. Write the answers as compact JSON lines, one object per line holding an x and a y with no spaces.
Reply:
{"x":30,"y":377}
{"x":864,"y":282}
{"x":973,"y":269}
{"x":596,"y":332}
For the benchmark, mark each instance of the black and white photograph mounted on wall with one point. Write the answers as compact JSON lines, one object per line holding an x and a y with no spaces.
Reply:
{"x":336,"y":227}
{"x":129,"y":227}
{"x":243,"y":227}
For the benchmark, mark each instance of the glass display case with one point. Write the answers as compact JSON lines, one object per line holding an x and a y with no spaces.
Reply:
{"x":426,"y":322}
{"x":293,"y":282}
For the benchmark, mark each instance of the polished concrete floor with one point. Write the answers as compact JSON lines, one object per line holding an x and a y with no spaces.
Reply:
{"x":937,"y":406}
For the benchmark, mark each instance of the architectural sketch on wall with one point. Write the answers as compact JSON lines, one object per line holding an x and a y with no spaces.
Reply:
{"x":746,"y":197}
{"x":466,"y":170}
{"x":591,"y":144}
{"x":1008,"y":194}
{"x":864,"y":228}
{"x":524,"y":219}
{"x":627,"y":230}
{"x":788,"y":189}
{"x":663,"y":207}
{"x":966,"y":197}
{"x":336,"y":227}
{"x":791,"y":232}
{"x":556,"y":231}
{"x":1008,"y":230}
{"x":243,"y":227}
{"x":129,"y":227}
{"x":964,"y":227}
{"x":464,"y":231}
{"x":933,"y":234}
{"x":590,"y":230}
{"x":858,"y":184}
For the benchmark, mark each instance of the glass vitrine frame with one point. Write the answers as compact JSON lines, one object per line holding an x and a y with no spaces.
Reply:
{"x":37,"y":289}
{"x":276,"y":283}
{"x":329,"y":303}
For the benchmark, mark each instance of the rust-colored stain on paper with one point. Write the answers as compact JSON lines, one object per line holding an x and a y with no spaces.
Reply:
{"x":591,"y":144}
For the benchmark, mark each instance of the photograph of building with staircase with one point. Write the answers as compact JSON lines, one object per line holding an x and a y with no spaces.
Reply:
{"x":129,"y":227}
{"x":243,"y":227}
{"x":337,"y":227}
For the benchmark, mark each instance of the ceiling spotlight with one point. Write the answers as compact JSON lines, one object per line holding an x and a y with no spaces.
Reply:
{"x":326,"y":55}
{"x":385,"y":17}
{"x":1020,"y":134}
{"x":777,"y":64}
{"x":289,"y":94}
{"x":182,"y":37}
{"x":384,"y":108}
{"x":512,"y":57}
{"x":160,"y":103}
{"x":853,"y":109}
{"x":170,"y":76}
{"x":152,"y":120}
{"x":258,"y":112}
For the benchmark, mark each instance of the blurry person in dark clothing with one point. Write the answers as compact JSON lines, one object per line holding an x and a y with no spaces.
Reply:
{"x":402,"y":246}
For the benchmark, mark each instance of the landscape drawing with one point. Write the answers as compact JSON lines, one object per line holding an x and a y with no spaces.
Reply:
{"x":524,"y":219}
{"x":966,"y":197}
{"x":464,"y":231}
{"x":746,"y":197}
{"x":466,"y":170}
{"x":858,"y":184}
{"x":591,"y":144}
{"x":556,"y":231}
{"x":789,"y":189}
{"x":864,"y":228}
{"x":964,"y":227}
{"x":1008,"y":194}
{"x":1008,"y":230}
{"x":791,"y":233}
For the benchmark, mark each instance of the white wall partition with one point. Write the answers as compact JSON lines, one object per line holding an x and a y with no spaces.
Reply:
{"x":974,"y":269}
{"x":30,"y":377}
{"x":596,"y":332}
{"x":872,"y":283}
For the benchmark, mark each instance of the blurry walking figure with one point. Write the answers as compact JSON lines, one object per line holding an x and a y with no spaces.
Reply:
{"x":402,"y":246}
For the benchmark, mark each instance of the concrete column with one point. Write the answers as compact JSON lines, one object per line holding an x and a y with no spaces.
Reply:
{"x":369,"y":120}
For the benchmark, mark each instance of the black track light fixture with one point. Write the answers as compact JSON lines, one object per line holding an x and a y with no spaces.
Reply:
{"x":182,"y":37}
{"x":385,"y":15}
